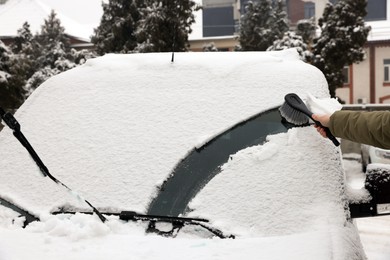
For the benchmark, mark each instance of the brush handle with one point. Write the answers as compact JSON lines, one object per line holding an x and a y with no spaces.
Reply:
{"x":328,"y":133}
{"x":296,"y":102}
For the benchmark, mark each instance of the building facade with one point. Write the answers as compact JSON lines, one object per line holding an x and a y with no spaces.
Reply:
{"x":221,"y":19}
{"x":365,"y":82}
{"x":369,"y":80}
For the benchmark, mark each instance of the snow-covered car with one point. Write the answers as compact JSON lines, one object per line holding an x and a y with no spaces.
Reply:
{"x":371,"y":154}
{"x":197,"y":143}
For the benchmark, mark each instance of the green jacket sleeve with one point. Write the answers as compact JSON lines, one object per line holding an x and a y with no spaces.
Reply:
{"x":371,"y":128}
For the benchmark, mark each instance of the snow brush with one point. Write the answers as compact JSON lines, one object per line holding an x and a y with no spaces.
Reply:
{"x":296,"y":112}
{"x":14,"y":125}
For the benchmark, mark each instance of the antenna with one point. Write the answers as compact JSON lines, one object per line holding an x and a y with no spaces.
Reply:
{"x":173,"y":43}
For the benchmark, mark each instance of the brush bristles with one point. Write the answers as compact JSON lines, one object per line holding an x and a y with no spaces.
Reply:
{"x":292,"y":115}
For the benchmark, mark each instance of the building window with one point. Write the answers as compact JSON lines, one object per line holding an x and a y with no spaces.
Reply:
{"x":386,"y":66}
{"x":376,"y":10}
{"x":218,"y":21}
{"x":346,"y":76}
{"x":310,"y":10}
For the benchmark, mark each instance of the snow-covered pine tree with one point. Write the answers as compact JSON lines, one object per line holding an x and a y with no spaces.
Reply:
{"x":165,"y":25}
{"x":81,"y":56}
{"x":301,"y":40}
{"x":116,"y":32}
{"x":24,"y":61}
{"x":279,"y":17}
{"x":262,"y":24}
{"x":54,"y":49}
{"x":55,"y":44}
{"x":23,"y":40}
{"x":38,"y":78}
{"x":5,"y":54}
{"x":10,"y":98}
{"x":343,"y":34}
{"x":255,"y":32}
{"x":292,"y":40}
{"x":306,"y":28}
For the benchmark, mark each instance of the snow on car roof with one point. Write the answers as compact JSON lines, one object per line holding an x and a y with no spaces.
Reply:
{"x":115,"y":128}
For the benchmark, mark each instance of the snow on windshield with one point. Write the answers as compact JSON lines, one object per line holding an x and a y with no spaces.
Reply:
{"x":115,"y":127}
{"x":303,"y":192}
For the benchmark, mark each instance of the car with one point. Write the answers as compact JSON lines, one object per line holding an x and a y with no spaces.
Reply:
{"x":371,"y":154}
{"x":132,"y":147}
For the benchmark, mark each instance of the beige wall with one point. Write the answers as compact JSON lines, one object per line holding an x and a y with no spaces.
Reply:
{"x":361,"y":79}
{"x":360,"y":87}
{"x":220,"y":42}
{"x":343,"y":94}
{"x":381,"y":90}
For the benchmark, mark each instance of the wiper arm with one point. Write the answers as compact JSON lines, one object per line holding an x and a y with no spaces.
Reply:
{"x":14,"y":125}
{"x":177,"y":223}
{"x":29,"y":217}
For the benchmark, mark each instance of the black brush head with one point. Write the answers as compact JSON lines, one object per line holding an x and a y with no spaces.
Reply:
{"x":295,"y":112}
{"x":292,"y":115}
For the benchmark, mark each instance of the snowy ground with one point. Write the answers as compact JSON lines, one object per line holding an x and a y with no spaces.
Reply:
{"x":374,"y":232}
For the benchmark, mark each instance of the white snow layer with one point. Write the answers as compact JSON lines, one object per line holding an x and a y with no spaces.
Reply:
{"x":303,"y":192}
{"x":114,"y":128}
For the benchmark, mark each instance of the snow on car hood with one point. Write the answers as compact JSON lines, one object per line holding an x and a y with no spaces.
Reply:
{"x":114,"y":128}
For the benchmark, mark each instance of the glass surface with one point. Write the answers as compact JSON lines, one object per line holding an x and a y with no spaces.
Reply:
{"x":201,"y":165}
{"x":376,"y":10}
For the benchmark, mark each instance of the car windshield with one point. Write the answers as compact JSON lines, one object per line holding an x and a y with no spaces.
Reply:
{"x":202,"y":164}
{"x":189,"y":176}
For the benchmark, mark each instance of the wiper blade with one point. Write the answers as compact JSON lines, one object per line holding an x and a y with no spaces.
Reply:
{"x":177,"y":223}
{"x":132,"y":215}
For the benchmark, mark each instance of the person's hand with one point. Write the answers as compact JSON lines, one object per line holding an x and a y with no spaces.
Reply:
{"x":324,"y":120}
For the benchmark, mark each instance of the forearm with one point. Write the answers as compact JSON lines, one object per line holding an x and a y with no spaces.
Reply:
{"x":371,"y":128}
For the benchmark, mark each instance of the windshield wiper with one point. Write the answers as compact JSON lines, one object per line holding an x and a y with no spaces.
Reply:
{"x":14,"y":125}
{"x":29,"y":217}
{"x":177,"y":223}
